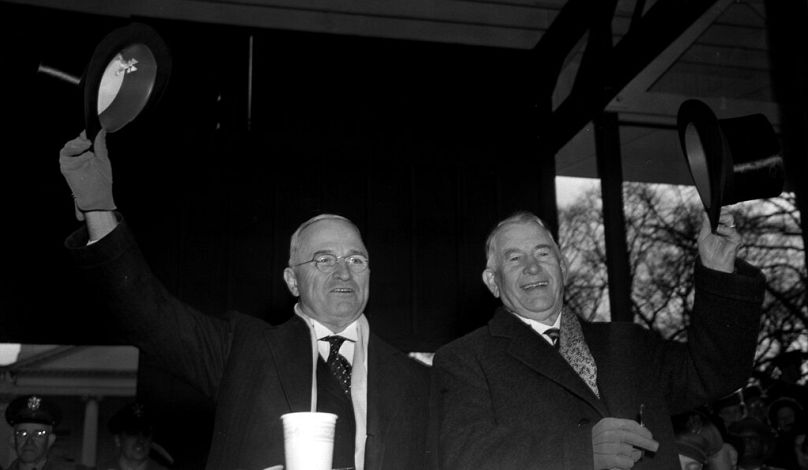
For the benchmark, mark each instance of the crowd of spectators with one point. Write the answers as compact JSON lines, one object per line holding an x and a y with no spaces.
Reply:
{"x":762,"y":426}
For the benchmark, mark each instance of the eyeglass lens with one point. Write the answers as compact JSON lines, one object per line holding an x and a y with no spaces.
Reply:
{"x":355,"y":263}
{"x":35,"y":434}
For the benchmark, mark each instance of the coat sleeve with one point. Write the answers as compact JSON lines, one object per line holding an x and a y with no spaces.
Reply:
{"x":183,"y":341}
{"x":722,"y":338}
{"x":470,"y":434}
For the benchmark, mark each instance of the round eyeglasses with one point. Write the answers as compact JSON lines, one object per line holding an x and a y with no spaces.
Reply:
{"x":327,"y":263}
{"x":37,"y":435}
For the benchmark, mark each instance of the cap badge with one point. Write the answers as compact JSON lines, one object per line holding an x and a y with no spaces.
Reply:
{"x":34,"y":402}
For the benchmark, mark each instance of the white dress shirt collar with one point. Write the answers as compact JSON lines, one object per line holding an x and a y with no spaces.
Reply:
{"x":350,"y":333}
{"x":540,"y":327}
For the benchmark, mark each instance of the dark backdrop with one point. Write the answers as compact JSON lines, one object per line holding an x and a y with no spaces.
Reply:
{"x":425,"y":146}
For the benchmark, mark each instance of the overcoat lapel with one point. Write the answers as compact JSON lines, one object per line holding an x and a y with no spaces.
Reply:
{"x":616,"y":370}
{"x":291,"y":349}
{"x":384,"y":388}
{"x":528,"y":348}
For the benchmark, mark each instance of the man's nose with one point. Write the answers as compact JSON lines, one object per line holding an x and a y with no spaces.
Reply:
{"x":532,"y":265}
{"x":341,"y":270}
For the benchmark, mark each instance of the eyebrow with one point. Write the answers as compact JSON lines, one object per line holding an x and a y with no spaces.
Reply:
{"x":511,"y":251}
{"x":331,"y":252}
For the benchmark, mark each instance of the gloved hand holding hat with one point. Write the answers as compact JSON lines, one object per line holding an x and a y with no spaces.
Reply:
{"x":88,"y":173}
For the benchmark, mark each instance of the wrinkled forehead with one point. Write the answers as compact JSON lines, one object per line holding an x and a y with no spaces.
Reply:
{"x":521,"y":234}
{"x":332,"y":234}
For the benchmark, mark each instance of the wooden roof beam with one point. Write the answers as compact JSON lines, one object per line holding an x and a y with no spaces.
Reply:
{"x":596,"y":85}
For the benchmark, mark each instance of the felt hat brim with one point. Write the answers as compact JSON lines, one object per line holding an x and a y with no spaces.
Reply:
{"x":730,"y":160}
{"x":127,"y":74}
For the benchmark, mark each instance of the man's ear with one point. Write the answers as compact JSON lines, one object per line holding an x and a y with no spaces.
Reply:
{"x":565,"y":268}
{"x":490,"y":281}
{"x":51,"y":439}
{"x":291,"y":281}
{"x":117,"y":440}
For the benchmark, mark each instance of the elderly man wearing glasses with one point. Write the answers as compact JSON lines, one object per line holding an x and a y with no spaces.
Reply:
{"x":324,"y":358}
{"x":33,"y":418}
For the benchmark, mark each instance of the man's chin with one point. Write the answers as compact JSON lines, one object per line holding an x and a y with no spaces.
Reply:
{"x":347,"y":315}
{"x":346,"y":309}
{"x":542,"y":313}
{"x":344,"y":316}
{"x":29,"y":457}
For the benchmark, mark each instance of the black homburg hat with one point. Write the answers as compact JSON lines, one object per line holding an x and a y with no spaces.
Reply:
{"x":730,"y":160}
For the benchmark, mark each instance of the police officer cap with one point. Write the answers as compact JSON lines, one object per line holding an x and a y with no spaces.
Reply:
{"x":750,"y":426}
{"x":33,"y":409}
{"x":693,"y":445}
{"x":131,"y":419}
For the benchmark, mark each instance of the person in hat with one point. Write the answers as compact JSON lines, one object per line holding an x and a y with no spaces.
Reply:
{"x":755,"y":440}
{"x":720,"y":455}
{"x":786,"y":414}
{"x":787,"y":418}
{"x":729,"y":408}
{"x":33,"y":418}
{"x":133,"y":429}
{"x":787,"y":370}
{"x":539,"y":388}
{"x":692,"y":450}
{"x":754,"y":401}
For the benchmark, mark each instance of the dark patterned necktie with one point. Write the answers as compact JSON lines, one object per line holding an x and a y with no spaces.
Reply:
{"x":553,"y":334}
{"x":338,"y":364}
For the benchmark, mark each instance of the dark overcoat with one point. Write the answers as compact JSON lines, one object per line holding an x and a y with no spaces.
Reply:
{"x":253,"y":371}
{"x":508,"y":400}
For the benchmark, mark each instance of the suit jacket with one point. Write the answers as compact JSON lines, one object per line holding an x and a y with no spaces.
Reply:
{"x":508,"y":400}
{"x":255,"y":372}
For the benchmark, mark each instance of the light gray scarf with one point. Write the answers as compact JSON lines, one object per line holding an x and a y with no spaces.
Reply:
{"x":576,"y":352}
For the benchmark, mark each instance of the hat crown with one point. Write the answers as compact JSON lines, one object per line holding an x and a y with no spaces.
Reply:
{"x":133,"y":418}
{"x":731,"y":160}
{"x":33,"y":409}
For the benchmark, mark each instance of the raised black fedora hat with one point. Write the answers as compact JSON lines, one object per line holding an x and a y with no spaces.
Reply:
{"x":731,"y":160}
{"x":127,"y":74}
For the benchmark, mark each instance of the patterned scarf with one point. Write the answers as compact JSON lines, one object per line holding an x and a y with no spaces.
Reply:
{"x":576,"y":352}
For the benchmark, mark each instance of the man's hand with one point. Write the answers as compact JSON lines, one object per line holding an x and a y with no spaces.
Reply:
{"x":88,"y":173}
{"x":718,"y":250}
{"x":618,"y":443}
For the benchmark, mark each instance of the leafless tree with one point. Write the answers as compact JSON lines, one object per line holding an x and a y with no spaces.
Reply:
{"x":662,"y":223}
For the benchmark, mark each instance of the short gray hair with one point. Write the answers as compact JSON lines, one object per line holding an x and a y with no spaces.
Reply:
{"x":519,"y":217}
{"x":294,"y":244}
